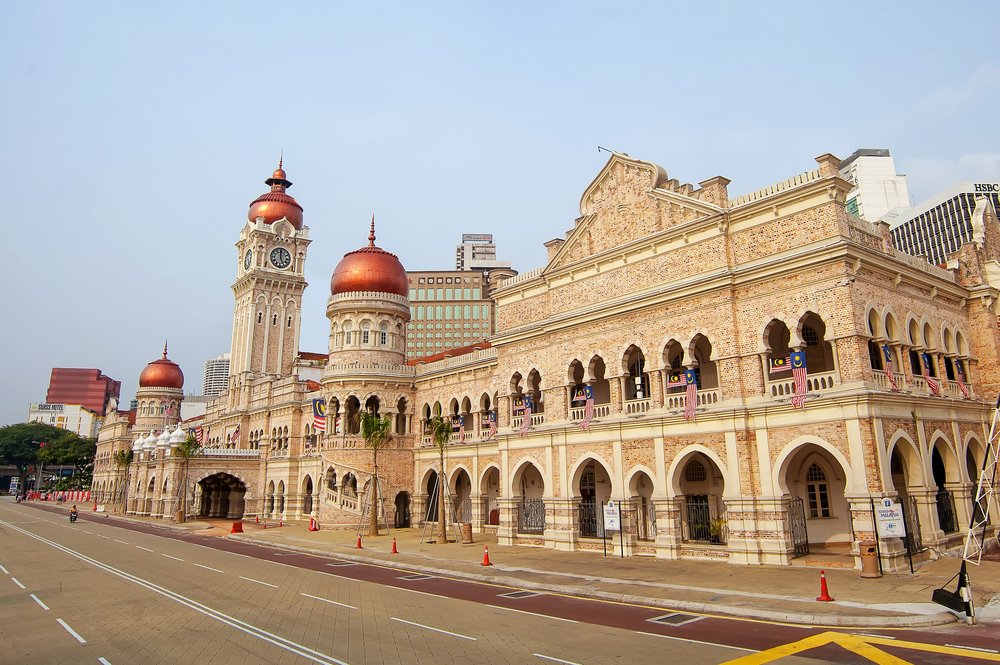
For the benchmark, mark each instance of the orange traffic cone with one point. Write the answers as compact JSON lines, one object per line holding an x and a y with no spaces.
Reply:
{"x":265,"y":525}
{"x":824,"y":594}
{"x":358,"y":546}
{"x":95,"y":506}
{"x":257,"y":517}
{"x":486,"y":556}
{"x":394,"y":547}
{"x":237,"y":527}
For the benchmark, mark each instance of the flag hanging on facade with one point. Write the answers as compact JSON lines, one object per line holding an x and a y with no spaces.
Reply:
{"x":199,"y":435}
{"x":776,"y":365}
{"x":167,"y":409}
{"x":932,"y":383}
{"x":691,"y":394}
{"x":799,"y":373}
{"x":676,"y":379}
{"x":491,"y":418}
{"x":960,"y":378}
{"x":526,"y":416}
{"x":459,"y":422}
{"x":235,"y":438}
{"x":588,"y":407}
{"x":889,"y":373}
{"x":319,"y":415}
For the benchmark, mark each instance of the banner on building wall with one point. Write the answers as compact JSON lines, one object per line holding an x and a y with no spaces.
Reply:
{"x":777,"y":365}
{"x":319,"y":415}
{"x":690,"y":394}
{"x":799,"y":378}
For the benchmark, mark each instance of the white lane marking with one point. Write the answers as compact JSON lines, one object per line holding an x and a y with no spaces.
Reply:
{"x":144,"y":548}
{"x":250,"y":579}
{"x":18,"y":583}
{"x":436,"y":630}
{"x":103,"y":661}
{"x":121,"y":541}
{"x":43,"y":605}
{"x":709,"y":644}
{"x":554,"y":660}
{"x":71,"y":631}
{"x":172,"y":557}
{"x":86,"y":532}
{"x":253,"y":631}
{"x":103,"y":536}
{"x":4,"y":570}
{"x":332,"y":602}
{"x":960,"y":646}
{"x":422,"y":593}
{"x":534,"y":614}
{"x":209,"y":568}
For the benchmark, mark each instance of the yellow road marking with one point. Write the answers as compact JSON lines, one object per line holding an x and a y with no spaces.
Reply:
{"x":862,"y":645}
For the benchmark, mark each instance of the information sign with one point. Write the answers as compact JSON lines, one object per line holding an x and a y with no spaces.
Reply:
{"x":889,"y":518}
{"x":612,"y":518}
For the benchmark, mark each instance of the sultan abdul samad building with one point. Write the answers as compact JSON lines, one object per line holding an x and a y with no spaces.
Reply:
{"x":759,"y":369}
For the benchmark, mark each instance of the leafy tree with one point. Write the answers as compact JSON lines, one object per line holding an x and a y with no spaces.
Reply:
{"x":71,"y":450}
{"x":185,"y":451}
{"x":376,"y":432}
{"x":440,"y":431}
{"x":20,"y":445}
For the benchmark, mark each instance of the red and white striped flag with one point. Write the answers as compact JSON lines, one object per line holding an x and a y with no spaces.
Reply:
{"x":199,"y":435}
{"x":891,"y":375}
{"x":526,"y":415}
{"x":799,"y":378}
{"x":932,"y":383}
{"x":235,"y":438}
{"x":588,"y":407}
{"x":960,"y":378}
{"x":690,"y":394}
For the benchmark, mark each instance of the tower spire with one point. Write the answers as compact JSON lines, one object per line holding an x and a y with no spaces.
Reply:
{"x":371,"y":233}
{"x":164,"y":349}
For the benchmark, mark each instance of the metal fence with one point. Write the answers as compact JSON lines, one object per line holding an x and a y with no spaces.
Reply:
{"x":530,"y":516}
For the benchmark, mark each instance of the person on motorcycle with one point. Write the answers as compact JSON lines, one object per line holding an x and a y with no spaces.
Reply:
{"x":73,"y":514}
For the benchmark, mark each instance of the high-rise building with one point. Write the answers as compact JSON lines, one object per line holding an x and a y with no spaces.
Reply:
{"x":72,"y":417}
{"x":448,"y":309}
{"x":85,"y":387}
{"x":877,"y":187}
{"x":938,"y":226}
{"x":478,"y":252}
{"x":216,"y":376}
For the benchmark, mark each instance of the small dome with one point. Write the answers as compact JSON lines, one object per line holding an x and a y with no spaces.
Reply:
{"x":276,"y":204}
{"x":370,"y":268}
{"x":162,"y":373}
{"x":163,"y":441}
{"x":137,"y":444}
{"x":178,"y":436}
{"x":149,"y":442}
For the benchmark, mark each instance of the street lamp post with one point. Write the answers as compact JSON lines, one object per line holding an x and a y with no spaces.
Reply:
{"x":41,"y":469}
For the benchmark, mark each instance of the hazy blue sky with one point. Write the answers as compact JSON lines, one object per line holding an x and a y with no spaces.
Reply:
{"x":135,"y":135}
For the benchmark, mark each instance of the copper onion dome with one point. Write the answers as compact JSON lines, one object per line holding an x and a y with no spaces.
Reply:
{"x":162,"y":373}
{"x":275,"y":204}
{"x":370,"y":268}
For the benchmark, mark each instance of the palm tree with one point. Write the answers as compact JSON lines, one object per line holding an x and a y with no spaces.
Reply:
{"x":190,"y":448}
{"x":440,"y":431}
{"x":377,"y":433}
{"x":122,"y":458}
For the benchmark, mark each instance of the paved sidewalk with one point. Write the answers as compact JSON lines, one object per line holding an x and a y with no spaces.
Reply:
{"x":786,"y":594}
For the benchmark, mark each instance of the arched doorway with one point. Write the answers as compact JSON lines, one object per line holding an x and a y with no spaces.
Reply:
{"x":641,"y":492}
{"x":222,"y":495}
{"x":817,"y":482}
{"x":307,"y":496}
{"x":945,"y":473}
{"x":431,"y":514}
{"x":593,"y":487}
{"x":529,"y":488}
{"x":402,"y":515}
{"x":904,"y":470}
{"x":490,"y":491}
{"x":461,"y":496}
{"x":280,"y":498}
{"x":703,"y":515}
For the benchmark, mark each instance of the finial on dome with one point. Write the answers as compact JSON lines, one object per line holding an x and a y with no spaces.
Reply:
{"x":164,"y":349}
{"x":371,"y":233}
{"x":281,"y":158}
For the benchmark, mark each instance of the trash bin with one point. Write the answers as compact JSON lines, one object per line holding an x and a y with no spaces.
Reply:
{"x":869,"y":559}
{"x":466,"y":532}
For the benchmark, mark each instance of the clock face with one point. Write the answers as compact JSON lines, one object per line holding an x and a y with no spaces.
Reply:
{"x":247,"y":259}
{"x":280,"y":258}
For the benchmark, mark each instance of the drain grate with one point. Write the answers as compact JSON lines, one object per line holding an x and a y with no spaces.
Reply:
{"x":414,"y":578}
{"x":674,"y":619}
{"x":519,"y":594}
{"x":336,"y":564}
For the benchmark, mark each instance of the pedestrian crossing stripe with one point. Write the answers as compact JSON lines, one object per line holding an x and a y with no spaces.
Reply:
{"x":864,"y":646}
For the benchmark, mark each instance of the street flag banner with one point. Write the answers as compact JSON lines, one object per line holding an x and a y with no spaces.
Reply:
{"x":676,"y":379}
{"x":526,"y":414}
{"x":691,"y":394}
{"x":319,"y":415}
{"x":235,"y":438}
{"x":932,"y":383}
{"x":960,"y":378}
{"x":199,"y":435}
{"x":776,"y":365}
{"x":491,"y":418}
{"x":588,"y":407}
{"x":799,"y":372}
{"x":891,"y":375}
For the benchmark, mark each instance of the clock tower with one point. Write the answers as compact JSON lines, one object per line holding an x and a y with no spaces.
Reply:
{"x":271,"y":256}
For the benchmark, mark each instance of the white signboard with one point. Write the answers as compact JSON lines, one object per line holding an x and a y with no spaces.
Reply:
{"x":889,"y":518}
{"x":612,"y":520}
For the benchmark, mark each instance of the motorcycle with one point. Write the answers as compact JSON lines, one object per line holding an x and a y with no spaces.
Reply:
{"x":72,"y":516}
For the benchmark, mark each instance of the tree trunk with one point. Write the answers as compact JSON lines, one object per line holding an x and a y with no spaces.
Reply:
{"x":442,"y":535}
{"x":373,"y":492}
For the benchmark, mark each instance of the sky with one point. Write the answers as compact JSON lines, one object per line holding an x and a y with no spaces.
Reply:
{"x":135,"y":135}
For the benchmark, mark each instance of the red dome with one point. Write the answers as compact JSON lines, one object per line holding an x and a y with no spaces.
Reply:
{"x":370,"y":268}
{"x":162,"y":373}
{"x":276,"y":204}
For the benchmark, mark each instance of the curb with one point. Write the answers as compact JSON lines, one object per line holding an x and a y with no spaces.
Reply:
{"x":818,"y":620}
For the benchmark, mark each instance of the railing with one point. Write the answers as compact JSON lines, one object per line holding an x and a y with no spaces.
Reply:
{"x":536,"y":419}
{"x":676,"y":401}
{"x":278,"y":453}
{"x":633,"y":406}
{"x":946,"y":511}
{"x":882,"y":381}
{"x":794,"y":181}
{"x":529,"y":516}
{"x":590,"y":520}
{"x":242,"y":453}
{"x":814,"y":383}
{"x":600,"y":411}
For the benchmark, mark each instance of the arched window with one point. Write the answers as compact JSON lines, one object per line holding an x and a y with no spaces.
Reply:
{"x":383,"y":334}
{"x":818,"y":492}
{"x":348,"y":333}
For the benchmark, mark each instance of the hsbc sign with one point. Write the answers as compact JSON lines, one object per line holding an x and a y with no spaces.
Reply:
{"x":987,"y":187}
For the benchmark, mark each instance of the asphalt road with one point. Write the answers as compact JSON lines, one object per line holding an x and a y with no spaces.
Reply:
{"x":94,"y":592}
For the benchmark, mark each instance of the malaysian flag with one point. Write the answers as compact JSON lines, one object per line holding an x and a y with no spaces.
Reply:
{"x":798,"y":362}
{"x":235,"y":437}
{"x":167,"y":409}
{"x":491,"y":418}
{"x":319,"y":415}
{"x":676,"y":379}
{"x":891,"y":375}
{"x":588,"y":407}
{"x":691,"y":394}
{"x":776,"y":365}
{"x":459,"y":422}
{"x":932,"y":383}
{"x":199,"y":435}
{"x":960,"y":378}
{"x":526,"y":414}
